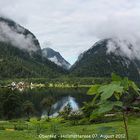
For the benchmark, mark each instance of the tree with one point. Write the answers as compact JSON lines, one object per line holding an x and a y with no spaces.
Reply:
{"x":12,"y":106}
{"x":47,"y":103}
{"x":66,"y":111}
{"x":114,"y":96}
{"x":28,"y":108}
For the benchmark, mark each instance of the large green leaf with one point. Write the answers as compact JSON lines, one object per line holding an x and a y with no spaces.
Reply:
{"x":93,"y":90}
{"x":95,"y":98}
{"x":125,"y":83}
{"x":115,"y":77}
{"x":104,"y":108}
{"x":108,"y":106}
{"x":118,"y":103}
{"x":108,"y":90}
{"x":134,"y":86}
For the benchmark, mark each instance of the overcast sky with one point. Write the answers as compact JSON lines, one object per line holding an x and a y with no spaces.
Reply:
{"x":73,"y":26}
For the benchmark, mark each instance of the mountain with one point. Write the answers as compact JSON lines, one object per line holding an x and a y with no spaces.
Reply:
{"x":20,"y":54}
{"x":18,"y":36}
{"x":105,"y":57}
{"x":55,"y":57}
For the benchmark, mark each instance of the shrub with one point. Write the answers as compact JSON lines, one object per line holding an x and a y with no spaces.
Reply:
{"x":2,"y":128}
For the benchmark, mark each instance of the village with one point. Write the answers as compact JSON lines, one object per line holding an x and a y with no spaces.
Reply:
{"x":22,"y":85}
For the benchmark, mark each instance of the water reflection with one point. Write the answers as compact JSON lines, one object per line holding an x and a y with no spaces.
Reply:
{"x":61,"y":104}
{"x":62,"y":97}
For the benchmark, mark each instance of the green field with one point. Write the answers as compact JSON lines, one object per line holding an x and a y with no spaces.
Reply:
{"x":21,"y":130}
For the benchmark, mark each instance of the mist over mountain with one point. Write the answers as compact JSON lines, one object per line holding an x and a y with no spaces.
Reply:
{"x":107,"y":56}
{"x":20,"y":54}
{"x":55,"y":57}
{"x":18,"y":36}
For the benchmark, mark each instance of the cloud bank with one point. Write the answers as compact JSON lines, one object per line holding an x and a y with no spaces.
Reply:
{"x":73,"y":26}
{"x":15,"y":36}
{"x":127,"y":48}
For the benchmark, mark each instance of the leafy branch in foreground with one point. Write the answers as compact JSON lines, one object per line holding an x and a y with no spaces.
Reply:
{"x":115,"y":96}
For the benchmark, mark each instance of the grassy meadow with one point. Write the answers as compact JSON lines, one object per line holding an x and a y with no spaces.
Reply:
{"x":37,"y":130}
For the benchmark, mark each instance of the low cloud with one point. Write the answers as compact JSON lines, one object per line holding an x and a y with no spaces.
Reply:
{"x":15,"y":36}
{"x":124,"y":30}
{"x":73,"y":26}
{"x":127,"y":48}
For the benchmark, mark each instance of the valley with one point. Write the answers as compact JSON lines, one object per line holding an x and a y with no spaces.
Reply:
{"x":42,"y":94}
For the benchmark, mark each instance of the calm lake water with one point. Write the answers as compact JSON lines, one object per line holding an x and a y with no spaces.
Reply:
{"x":62,"y":96}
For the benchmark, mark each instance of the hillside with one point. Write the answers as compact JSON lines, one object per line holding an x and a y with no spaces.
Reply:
{"x":98,"y":62}
{"x":15,"y":63}
{"x":20,"y":54}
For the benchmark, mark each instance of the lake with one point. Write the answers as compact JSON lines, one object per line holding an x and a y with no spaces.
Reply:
{"x":62,"y":96}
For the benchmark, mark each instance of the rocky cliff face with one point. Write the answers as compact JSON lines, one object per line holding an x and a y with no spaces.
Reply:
{"x":55,"y":57}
